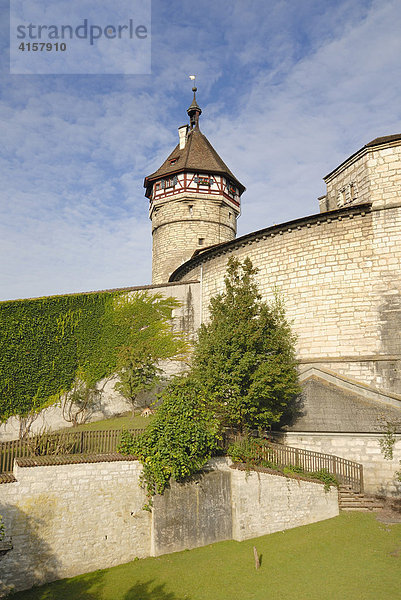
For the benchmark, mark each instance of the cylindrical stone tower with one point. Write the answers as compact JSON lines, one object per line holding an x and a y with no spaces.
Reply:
{"x":194,"y":200}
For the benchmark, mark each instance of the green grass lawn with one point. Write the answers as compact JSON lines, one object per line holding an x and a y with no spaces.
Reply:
{"x":350,"y":557}
{"x":126,"y":421}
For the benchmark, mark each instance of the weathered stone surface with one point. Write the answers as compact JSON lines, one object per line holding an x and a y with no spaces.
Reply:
{"x":264,"y":503}
{"x":187,"y":516}
{"x":341,"y":283}
{"x":185,"y":223}
{"x":327,"y":407}
{"x":70,"y":519}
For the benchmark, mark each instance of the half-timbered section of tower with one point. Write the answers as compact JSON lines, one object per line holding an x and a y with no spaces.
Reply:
{"x":194,"y":200}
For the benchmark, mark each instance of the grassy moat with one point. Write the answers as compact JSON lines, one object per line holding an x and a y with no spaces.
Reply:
{"x":351,"y":557}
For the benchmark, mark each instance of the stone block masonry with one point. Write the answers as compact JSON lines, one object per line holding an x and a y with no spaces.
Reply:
{"x":339,"y":274}
{"x":264,"y":503}
{"x":186,"y":224}
{"x":372,"y":174}
{"x":69,"y":519}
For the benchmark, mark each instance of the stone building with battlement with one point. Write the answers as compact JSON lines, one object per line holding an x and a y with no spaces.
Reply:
{"x":339,"y":273}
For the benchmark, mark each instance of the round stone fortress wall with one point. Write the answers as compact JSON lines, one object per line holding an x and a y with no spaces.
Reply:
{"x":183,"y":225}
{"x":339,"y":274}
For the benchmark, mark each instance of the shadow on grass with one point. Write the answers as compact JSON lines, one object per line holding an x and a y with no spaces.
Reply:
{"x":147,"y":590}
{"x":84,"y":587}
{"x":89,"y":587}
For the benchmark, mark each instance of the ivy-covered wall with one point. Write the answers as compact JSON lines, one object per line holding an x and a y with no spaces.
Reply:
{"x":45,"y":342}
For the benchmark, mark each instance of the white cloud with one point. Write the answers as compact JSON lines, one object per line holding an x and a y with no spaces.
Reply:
{"x":288,"y":91}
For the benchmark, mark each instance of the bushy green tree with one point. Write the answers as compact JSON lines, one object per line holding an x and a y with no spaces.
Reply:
{"x":244,"y":361}
{"x":150,"y":340}
{"x":243,"y":375}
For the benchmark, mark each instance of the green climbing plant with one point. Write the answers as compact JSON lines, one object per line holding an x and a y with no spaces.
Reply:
{"x":47,"y":345}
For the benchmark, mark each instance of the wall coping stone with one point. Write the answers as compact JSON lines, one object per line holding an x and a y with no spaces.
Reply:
{"x":331,"y":434}
{"x":352,"y":385}
{"x":136,"y":288}
{"x":356,"y":358}
{"x":72,"y":459}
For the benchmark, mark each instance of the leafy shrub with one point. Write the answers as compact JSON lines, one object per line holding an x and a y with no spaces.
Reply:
{"x":247,"y":450}
{"x":328,"y":478}
{"x":178,"y":442}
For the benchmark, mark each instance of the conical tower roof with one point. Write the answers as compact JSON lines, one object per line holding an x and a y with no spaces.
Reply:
{"x":198,"y":155}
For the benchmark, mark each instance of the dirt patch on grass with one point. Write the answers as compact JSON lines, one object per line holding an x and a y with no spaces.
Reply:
{"x":391,"y":511}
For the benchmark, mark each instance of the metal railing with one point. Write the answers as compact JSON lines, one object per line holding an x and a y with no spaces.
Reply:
{"x":69,"y":442}
{"x":347,"y":472}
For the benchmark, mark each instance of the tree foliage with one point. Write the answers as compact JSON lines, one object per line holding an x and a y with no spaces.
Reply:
{"x":150,"y":341}
{"x":243,"y":375}
{"x":244,"y":361}
{"x":180,"y":439}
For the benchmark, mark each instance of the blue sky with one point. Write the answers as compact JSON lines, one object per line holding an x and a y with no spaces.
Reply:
{"x":288,"y":90}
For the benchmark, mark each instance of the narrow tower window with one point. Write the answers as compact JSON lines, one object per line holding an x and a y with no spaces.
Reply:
{"x":201,"y":241}
{"x":190,"y":209}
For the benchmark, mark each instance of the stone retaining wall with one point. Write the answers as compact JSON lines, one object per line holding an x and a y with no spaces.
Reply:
{"x":70,"y":519}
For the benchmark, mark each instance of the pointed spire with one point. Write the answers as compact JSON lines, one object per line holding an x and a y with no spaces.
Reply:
{"x":194,"y":111}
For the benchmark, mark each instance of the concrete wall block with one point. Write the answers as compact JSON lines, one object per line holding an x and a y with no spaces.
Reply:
{"x":264,"y":503}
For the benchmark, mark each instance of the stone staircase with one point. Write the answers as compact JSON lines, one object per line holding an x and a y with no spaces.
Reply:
{"x":349,"y":500}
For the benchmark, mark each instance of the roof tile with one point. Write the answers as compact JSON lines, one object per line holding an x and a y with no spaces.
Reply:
{"x":198,"y":155}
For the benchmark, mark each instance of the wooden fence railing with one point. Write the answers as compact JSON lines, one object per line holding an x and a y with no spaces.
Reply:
{"x":103,"y":442}
{"x":346,"y":471}
{"x":74,"y":442}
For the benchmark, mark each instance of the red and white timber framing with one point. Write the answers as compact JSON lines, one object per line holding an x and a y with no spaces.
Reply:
{"x":196,"y":183}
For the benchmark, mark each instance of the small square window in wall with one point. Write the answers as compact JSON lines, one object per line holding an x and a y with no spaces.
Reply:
{"x":171,"y":182}
{"x":201,"y":241}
